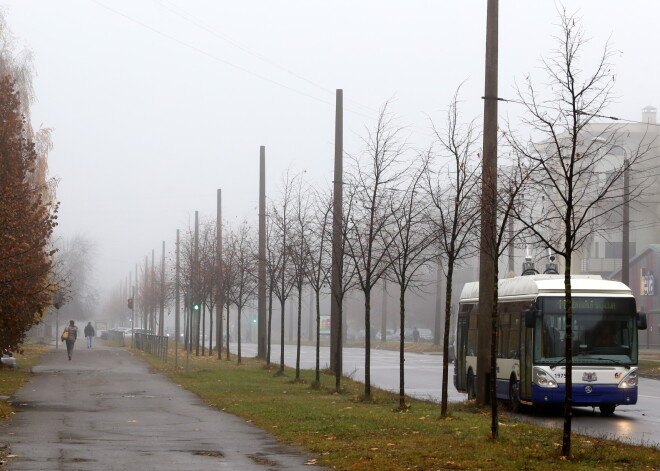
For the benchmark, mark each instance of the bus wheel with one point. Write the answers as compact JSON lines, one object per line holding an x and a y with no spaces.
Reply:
{"x":607,"y":409}
{"x":514,"y":395}
{"x":471,"y":393}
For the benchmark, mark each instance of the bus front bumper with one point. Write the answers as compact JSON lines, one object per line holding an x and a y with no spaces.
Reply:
{"x":585,"y":395}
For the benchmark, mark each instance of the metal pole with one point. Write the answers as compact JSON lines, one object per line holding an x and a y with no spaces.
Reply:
{"x":145,"y":293}
{"x":161,"y":319}
{"x":337,"y":246}
{"x":135,"y":305}
{"x":195,"y":291}
{"x":177,"y":304}
{"x":625,"y":249}
{"x":487,"y":255}
{"x":262,"y":326}
{"x":220,"y":293}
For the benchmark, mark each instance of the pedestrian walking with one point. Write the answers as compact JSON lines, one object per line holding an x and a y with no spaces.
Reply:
{"x":89,"y":333}
{"x":69,"y":336}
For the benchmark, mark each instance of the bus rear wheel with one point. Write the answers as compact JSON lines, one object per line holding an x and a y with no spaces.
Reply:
{"x":607,"y":409}
{"x":471,"y":393}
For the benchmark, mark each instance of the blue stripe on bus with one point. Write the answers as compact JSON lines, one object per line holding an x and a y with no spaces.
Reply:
{"x":600,"y":394}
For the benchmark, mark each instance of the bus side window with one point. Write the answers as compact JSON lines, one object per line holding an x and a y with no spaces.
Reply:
{"x":472,"y":334}
{"x":503,"y":328}
{"x":514,"y":336}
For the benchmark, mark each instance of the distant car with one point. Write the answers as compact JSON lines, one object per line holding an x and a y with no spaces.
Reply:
{"x":425,"y":335}
{"x":130,"y":332}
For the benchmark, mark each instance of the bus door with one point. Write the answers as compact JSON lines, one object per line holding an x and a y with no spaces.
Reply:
{"x":461,"y":346}
{"x":526,"y":352}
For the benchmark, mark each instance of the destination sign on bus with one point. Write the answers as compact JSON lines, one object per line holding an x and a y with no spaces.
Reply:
{"x":589,"y":305}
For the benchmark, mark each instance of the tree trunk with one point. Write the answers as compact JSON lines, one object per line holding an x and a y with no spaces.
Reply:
{"x":228,"y":356}
{"x":202,"y":313}
{"x":402,"y":359}
{"x":238,"y":320}
{"x":568,"y":401}
{"x":210,"y":331}
{"x":282,"y":306}
{"x":299,"y":333}
{"x":445,"y":347}
{"x":317,"y":380}
{"x":367,"y":343}
{"x":270,"y":324}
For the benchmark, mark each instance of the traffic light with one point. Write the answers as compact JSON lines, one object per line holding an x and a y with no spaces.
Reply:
{"x":130,"y":303}
{"x":196,"y":307}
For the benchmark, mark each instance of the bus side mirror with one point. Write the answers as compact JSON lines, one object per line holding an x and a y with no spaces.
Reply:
{"x":641,"y":321}
{"x":530,"y":317}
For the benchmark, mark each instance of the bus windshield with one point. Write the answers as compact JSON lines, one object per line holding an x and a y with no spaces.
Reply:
{"x":604,"y":331}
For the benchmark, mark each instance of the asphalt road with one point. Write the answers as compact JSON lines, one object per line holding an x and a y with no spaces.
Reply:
{"x":103,"y":411}
{"x":637,"y":424}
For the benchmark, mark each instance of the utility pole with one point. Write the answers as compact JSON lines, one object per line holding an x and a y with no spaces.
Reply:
{"x":487,"y":253}
{"x":177,"y":304}
{"x":220,"y":293}
{"x":152,"y":315}
{"x":625,"y":249}
{"x":146,"y":297}
{"x":195,"y":292}
{"x":262,"y":324}
{"x":161,"y":318}
{"x":337,"y":245}
{"x":135,"y":304}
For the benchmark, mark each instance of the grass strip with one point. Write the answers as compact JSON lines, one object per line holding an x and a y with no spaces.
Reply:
{"x":346,"y":432}
{"x":11,"y":380}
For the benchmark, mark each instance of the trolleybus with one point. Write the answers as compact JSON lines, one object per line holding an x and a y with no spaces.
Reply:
{"x":531,"y":363}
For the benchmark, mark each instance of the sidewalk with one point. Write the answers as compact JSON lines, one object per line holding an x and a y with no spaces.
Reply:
{"x":103,"y":410}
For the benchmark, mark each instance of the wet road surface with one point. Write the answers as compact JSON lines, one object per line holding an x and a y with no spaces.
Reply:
{"x":103,"y":410}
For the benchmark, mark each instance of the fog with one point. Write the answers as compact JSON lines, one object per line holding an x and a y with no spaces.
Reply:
{"x":155,"y":104}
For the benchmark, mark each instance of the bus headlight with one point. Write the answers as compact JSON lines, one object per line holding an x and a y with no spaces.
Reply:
{"x":543,"y":379}
{"x":630,"y":380}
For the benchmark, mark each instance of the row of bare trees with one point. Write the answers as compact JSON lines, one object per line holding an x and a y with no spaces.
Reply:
{"x":406,"y":210}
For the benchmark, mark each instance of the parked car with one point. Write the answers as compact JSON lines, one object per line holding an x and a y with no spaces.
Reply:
{"x":425,"y":335}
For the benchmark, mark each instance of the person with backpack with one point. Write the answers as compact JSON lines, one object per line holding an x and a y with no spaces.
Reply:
{"x":69,"y":336}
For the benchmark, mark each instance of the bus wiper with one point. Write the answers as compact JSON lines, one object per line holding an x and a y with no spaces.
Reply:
{"x":613,"y":361}
{"x":556,"y":364}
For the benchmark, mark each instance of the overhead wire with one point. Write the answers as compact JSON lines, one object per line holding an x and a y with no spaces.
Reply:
{"x":219,"y":59}
{"x":613,"y":118}
{"x":190,"y":18}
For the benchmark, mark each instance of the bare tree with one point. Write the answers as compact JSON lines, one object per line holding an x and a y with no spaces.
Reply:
{"x":376,"y":173}
{"x":299,"y":251}
{"x":454,"y":193}
{"x":577,"y":187}
{"x":319,"y":266}
{"x":208,"y":276}
{"x":243,"y":247}
{"x":410,"y":251}
{"x":282,"y":220}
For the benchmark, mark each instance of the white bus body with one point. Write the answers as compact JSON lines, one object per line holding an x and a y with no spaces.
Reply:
{"x":531,"y":367}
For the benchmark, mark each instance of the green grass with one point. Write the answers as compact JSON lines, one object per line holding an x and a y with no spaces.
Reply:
{"x":347,"y":432}
{"x":12,"y":379}
{"x":649,"y":367}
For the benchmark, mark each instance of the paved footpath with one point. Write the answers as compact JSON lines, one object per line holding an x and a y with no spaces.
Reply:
{"x":103,"y":410}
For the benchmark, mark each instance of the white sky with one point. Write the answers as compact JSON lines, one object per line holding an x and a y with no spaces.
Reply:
{"x":152,"y":112}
